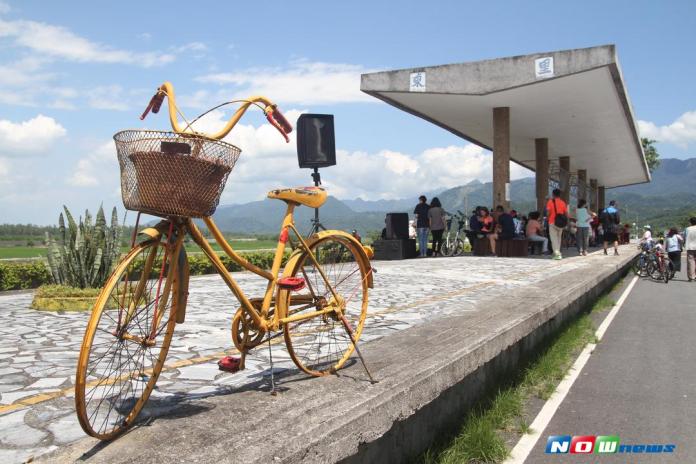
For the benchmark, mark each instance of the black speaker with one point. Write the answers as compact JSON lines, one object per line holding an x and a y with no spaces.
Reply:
{"x":397,"y":226}
{"x":316,"y":142}
{"x":395,"y":249}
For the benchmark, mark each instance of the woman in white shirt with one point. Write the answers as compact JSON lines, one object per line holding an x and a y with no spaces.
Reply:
{"x":582,"y":236}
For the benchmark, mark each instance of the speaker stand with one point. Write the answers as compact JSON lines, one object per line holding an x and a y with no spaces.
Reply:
{"x":316,"y":223}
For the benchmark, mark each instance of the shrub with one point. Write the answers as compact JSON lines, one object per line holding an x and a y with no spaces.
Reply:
{"x":16,"y":276}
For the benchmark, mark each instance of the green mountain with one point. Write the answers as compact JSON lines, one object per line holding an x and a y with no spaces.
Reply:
{"x":265,"y":217}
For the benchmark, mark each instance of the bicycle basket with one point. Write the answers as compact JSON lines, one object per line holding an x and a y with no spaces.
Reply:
{"x":170,"y":174}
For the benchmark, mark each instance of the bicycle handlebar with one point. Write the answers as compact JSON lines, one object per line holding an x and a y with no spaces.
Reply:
{"x":274,"y":116}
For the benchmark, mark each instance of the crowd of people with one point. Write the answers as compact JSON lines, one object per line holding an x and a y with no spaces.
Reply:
{"x":552,"y":229}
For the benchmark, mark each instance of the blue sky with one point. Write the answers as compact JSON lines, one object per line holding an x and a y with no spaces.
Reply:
{"x":73,"y":73}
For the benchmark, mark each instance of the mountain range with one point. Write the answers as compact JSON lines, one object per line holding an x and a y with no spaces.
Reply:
{"x":668,"y":200}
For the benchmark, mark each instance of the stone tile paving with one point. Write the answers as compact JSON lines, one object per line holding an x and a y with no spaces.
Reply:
{"x":39,"y":350}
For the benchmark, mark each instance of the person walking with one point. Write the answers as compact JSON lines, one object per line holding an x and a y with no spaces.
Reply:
{"x":557,"y":213}
{"x":436,"y":216}
{"x":584,"y":218}
{"x":422,"y":222}
{"x":673,"y":246}
{"x":690,"y":247}
{"x":611,"y":221}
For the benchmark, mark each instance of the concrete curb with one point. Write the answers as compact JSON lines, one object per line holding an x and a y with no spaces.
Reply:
{"x":430,"y":375}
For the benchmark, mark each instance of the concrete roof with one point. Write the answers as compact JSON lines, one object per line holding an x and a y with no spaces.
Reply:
{"x":582,"y":108}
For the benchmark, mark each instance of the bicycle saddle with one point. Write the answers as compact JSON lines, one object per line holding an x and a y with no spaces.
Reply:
{"x":313,"y":197}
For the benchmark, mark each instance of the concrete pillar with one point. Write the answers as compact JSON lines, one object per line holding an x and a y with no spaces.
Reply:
{"x":564,"y":164}
{"x":593,"y":195}
{"x":542,"y":172}
{"x":501,"y":157}
{"x":582,"y":184}
{"x":600,"y":198}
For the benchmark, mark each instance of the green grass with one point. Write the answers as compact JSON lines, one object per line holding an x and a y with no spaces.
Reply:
{"x":25,"y":252}
{"x":480,"y":438}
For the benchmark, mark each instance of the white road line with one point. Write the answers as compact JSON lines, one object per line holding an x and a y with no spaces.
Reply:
{"x":521,"y":451}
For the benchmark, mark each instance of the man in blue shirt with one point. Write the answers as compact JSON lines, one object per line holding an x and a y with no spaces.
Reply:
{"x":610,"y":220}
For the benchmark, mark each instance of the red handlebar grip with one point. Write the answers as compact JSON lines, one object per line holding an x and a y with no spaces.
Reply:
{"x":154,"y":105}
{"x":278,"y":116}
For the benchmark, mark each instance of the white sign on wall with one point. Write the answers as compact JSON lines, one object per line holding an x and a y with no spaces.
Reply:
{"x":417,"y":82}
{"x":543,"y":67}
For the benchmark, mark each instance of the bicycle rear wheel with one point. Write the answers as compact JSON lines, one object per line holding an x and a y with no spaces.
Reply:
{"x":321,"y":345}
{"x":458,"y":247}
{"x":126,"y":341}
{"x":448,"y":246}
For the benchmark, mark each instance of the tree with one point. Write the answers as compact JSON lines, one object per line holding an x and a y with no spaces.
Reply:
{"x":652,"y":157}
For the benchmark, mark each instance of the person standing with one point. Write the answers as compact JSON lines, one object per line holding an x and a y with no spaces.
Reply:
{"x":422,"y":222}
{"x":673,"y":246}
{"x":690,"y":246}
{"x":557,"y":213}
{"x":611,"y":221}
{"x":436,"y":216}
{"x":584,"y":218}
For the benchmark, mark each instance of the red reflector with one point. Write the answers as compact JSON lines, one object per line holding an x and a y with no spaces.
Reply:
{"x":291,"y":283}
{"x":229,"y":364}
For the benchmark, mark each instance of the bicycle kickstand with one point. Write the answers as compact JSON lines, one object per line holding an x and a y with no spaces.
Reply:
{"x":349,"y":329}
{"x":274,"y":392}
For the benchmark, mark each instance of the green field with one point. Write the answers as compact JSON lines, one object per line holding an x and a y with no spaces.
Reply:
{"x":25,"y":252}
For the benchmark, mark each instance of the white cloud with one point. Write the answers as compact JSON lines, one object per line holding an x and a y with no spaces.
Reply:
{"x":682,"y":132}
{"x":302,"y":82}
{"x":4,"y":169}
{"x":99,"y":167}
{"x":59,"y":42}
{"x":4,"y":8}
{"x":191,"y":47}
{"x":27,"y":137}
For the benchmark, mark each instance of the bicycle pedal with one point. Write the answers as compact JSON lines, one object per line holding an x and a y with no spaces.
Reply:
{"x":230,"y":364}
{"x":291,"y":283}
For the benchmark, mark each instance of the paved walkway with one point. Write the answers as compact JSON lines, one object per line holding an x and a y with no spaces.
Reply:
{"x":38,"y":350}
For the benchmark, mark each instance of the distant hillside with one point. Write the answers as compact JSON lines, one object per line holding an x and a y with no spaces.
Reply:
{"x":263,"y":217}
{"x":670,"y":199}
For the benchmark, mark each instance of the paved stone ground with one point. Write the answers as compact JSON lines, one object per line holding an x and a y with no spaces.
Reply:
{"x":38,"y":350}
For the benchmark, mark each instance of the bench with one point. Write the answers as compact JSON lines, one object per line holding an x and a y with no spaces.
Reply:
{"x":517,"y":247}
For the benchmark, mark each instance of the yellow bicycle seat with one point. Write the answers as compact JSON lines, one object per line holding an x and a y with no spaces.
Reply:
{"x":313,"y":197}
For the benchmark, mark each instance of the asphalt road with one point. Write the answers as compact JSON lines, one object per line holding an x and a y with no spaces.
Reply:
{"x":640,"y":382}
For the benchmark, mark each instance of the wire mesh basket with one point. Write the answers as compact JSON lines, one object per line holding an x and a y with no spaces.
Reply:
{"x":170,"y":174}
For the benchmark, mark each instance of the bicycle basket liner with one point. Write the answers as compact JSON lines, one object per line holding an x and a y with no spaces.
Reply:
{"x":170,"y":174}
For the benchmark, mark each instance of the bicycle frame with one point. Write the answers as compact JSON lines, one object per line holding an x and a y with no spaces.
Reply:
{"x":283,"y":299}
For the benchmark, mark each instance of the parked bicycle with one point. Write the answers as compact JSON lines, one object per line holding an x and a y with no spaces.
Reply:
{"x":661,"y":267}
{"x":641,"y":262}
{"x":318,"y":302}
{"x":453,"y":245}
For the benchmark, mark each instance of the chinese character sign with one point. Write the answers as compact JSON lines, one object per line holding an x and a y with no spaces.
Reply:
{"x":417,"y":82}
{"x":543,"y":67}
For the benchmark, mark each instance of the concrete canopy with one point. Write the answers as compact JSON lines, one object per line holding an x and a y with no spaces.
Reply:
{"x":581,"y":106}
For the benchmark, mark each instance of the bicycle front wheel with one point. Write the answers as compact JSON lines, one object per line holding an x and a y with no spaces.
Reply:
{"x":126,"y":341}
{"x":321,"y":345}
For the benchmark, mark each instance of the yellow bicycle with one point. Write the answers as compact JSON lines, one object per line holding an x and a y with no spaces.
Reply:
{"x":319,"y":300}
